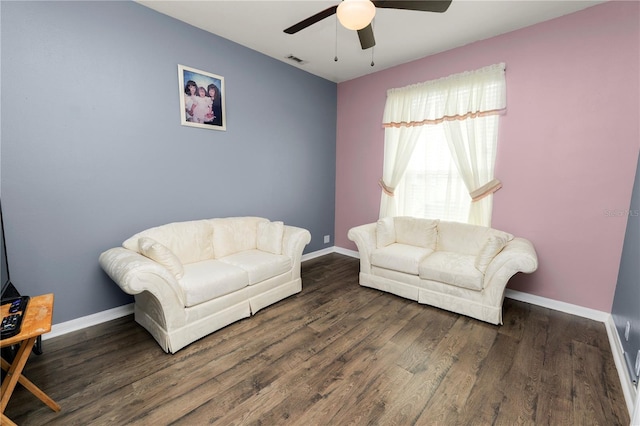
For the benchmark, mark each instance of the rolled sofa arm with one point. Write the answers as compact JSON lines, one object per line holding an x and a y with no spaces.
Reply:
{"x":365,"y":238}
{"x":135,"y":273}
{"x":518,"y":255}
{"x":293,"y":243}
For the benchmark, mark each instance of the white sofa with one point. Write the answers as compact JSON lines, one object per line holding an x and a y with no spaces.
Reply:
{"x":450,"y":265}
{"x":192,"y":278}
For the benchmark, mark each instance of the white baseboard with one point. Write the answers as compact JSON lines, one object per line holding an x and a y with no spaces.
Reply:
{"x":317,"y":253}
{"x":88,"y":321}
{"x":631,"y":395}
{"x":629,"y":390}
{"x":557,"y":305}
{"x":346,"y":252}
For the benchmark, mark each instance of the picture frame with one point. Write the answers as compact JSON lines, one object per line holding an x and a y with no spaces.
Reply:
{"x":202,"y":99}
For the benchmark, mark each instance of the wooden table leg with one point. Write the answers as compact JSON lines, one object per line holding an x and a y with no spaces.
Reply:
{"x":14,"y":372}
{"x":34,"y":389}
{"x":7,"y":421}
{"x":14,"y":376}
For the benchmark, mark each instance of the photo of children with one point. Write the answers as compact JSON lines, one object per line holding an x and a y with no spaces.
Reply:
{"x":202,"y":99}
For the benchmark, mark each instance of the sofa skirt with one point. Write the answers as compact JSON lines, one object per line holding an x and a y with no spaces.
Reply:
{"x":474,"y":307}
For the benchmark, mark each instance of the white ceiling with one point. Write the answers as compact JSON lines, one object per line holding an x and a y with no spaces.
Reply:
{"x":401,"y":35}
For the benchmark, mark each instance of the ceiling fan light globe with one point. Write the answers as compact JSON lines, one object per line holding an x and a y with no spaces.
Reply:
{"x":356,"y":14}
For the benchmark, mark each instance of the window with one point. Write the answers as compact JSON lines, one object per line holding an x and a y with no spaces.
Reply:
{"x":432,"y":186}
{"x":440,"y":147}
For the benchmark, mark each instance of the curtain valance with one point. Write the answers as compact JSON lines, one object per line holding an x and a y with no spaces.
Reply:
{"x":456,"y":97}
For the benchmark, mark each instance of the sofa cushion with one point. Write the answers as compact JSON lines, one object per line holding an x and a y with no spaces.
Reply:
{"x":234,"y":234}
{"x":208,"y":279}
{"x":157,"y":252}
{"x":385,"y":232}
{"x":415,"y":231}
{"x":269,"y":237}
{"x":465,"y":238}
{"x":258,"y":264}
{"x":452,"y":268}
{"x":400,"y":257}
{"x":492,"y":246}
{"x":190,"y":241}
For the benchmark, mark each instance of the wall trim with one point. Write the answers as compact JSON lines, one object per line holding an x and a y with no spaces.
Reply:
{"x":88,"y":321}
{"x":317,"y":253}
{"x":347,"y":252}
{"x":631,"y":395}
{"x":630,"y":392}
{"x":557,"y":305}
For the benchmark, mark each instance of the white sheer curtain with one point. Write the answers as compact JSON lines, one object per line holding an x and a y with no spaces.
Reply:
{"x":472,"y":144}
{"x":399,"y":143}
{"x":461,"y":101}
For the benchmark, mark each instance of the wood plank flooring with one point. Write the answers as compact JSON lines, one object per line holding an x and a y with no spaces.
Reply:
{"x":335,"y":354}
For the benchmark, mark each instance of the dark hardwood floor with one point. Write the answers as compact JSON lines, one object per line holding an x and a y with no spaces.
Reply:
{"x":335,"y":354}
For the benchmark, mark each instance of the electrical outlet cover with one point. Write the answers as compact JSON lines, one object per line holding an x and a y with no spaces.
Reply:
{"x":627,"y":329}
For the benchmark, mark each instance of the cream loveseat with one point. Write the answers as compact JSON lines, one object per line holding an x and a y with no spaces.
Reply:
{"x":193,"y":278}
{"x":450,"y":265}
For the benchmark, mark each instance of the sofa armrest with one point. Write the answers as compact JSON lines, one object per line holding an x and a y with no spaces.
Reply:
{"x":135,"y":273}
{"x":518,"y":255}
{"x":293,"y":243}
{"x":365,"y":238}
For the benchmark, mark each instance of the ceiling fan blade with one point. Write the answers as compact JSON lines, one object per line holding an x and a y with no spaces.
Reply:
{"x":366,"y":37}
{"x":311,"y":20}
{"x":438,"y":6}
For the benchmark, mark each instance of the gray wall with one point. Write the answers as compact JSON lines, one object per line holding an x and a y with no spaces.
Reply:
{"x":93,"y":150}
{"x":626,"y":302}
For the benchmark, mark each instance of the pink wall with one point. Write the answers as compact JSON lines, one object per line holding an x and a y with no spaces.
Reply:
{"x":567,"y":148}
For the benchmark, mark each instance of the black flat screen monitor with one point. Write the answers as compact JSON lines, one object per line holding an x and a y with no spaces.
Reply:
{"x":6,"y":279}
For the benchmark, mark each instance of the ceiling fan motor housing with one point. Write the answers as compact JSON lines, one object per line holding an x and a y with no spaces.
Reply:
{"x":356,"y":14}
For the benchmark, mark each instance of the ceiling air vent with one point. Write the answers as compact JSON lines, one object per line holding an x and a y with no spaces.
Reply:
{"x":297,"y":60}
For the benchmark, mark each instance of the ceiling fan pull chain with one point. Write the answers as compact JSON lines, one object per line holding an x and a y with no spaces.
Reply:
{"x":336,"y":56}
{"x":372,"y":48}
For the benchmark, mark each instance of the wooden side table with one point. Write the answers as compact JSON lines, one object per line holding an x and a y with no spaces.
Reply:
{"x":36,"y":321}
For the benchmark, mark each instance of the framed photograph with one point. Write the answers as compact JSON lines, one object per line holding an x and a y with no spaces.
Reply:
{"x":202,"y":99}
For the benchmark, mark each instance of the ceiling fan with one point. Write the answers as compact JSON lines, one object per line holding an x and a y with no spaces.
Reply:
{"x":358,"y":14}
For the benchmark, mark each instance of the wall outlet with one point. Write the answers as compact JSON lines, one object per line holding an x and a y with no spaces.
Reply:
{"x":627,"y":329}
{"x":327,"y":239}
